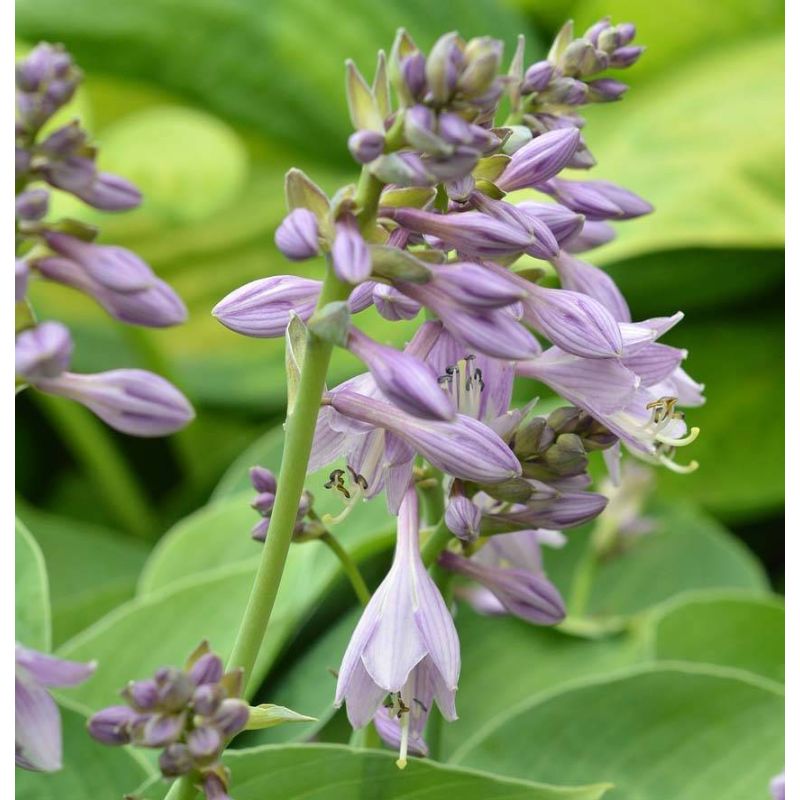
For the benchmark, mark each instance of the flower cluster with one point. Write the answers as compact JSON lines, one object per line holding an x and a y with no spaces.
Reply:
{"x":430,"y":226}
{"x":130,"y":400}
{"x":306,"y":527}
{"x":189,"y":714}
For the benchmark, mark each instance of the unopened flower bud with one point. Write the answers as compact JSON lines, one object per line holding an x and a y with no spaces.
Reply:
{"x":365,"y":146}
{"x":350,"y":255}
{"x":231,"y":717}
{"x":625,"y":56}
{"x":21,"y":275}
{"x":418,"y":127}
{"x":32,"y":204}
{"x":443,"y":67}
{"x":43,"y":351}
{"x":606,"y":90}
{"x":207,"y":669}
{"x":593,"y":33}
{"x":566,"y":91}
{"x":160,"y":730}
{"x":175,"y":760}
{"x":263,"y":479}
{"x":260,"y":529}
{"x":108,"y":192}
{"x":412,"y":70}
{"x":113,"y":725}
{"x":533,"y":438}
{"x":207,"y":698}
{"x":392,"y":304}
{"x":463,"y":518}
{"x":580,"y":58}
{"x":296,"y":236}
{"x":567,"y":419}
{"x":481,"y":61}
{"x":567,"y":456}
{"x":539,"y":160}
{"x":263,"y":503}
{"x":143,"y":695}
{"x":174,"y":688}
{"x":205,"y":742}
{"x":537,"y":77}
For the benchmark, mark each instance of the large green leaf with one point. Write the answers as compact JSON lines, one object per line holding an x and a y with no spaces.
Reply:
{"x":334,"y":772}
{"x":266,"y":451}
{"x":687,"y":550}
{"x":32,"y":600}
{"x":91,"y":770}
{"x":91,"y":569}
{"x":722,"y":627}
{"x":741,"y":443}
{"x":657,"y":732}
{"x":291,"y":88}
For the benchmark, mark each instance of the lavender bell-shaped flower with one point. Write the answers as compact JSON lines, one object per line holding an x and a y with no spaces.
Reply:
{"x":38,"y":724}
{"x":297,"y":235}
{"x":350,"y":255}
{"x":406,"y":629}
{"x":405,"y":380}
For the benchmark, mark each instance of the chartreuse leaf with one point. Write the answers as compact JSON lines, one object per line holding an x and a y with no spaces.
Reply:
{"x":293,"y":91}
{"x":336,"y":772}
{"x":734,"y":629}
{"x":91,"y":569}
{"x":265,"y":451}
{"x":687,"y":550}
{"x":91,"y":770}
{"x":32,"y":618}
{"x":657,"y":732}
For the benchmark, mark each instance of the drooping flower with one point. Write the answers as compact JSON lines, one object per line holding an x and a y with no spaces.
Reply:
{"x":38,"y":723}
{"x":405,"y":639}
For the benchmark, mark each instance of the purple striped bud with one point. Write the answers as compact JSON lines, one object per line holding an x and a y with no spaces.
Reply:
{"x":44,"y":63}
{"x":464,"y":448}
{"x":32,"y":204}
{"x":175,"y":760}
{"x":207,"y":698}
{"x":463,"y":518}
{"x":567,"y":91}
{"x":108,"y":192}
{"x":263,"y":479}
{"x":406,"y":381}
{"x":43,"y":351}
{"x":350,"y":255}
{"x":174,"y":688}
{"x":71,"y":174}
{"x":21,"y":275}
{"x":130,"y":400}
{"x":365,"y":146}
{"x":143,"y":695}
{"x":231,"y":717}
{"x":113,"y":725}
{"x":474,"y":286}
{"x":598,"y":200}
{"x":540,"y":159}
{"x":537,"y":77}
{"x":593,"y":234}
{"x":574,"y":322}
{"x":263,"y":308}
{"x":207,"y":669}
{"x":412,"y":70}
{"x":259,"y":531}
{"x":526,"y":595}
{"x":403,"y":169}
{"x":605,"y":90}
{"x":456,"y":130}
{"x":626,"y":32}
{"x":625,"y":56}
{"x":393,"y":304}
{"x":562,"y":222}
{"x":263,"y":503}
{"x":593,"y":33}
{"x":296,"y":236}
{"x":204,"y":742}
{"x":160,"y":730}
{"x":471,"y":232}
{"x":456,"y":166}
{"x":579,"y":276}
{"x":214,"y":787}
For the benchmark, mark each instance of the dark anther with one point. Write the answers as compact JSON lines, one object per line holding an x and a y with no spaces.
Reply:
{"x":362,"y":482}
{"x":335,"y":478}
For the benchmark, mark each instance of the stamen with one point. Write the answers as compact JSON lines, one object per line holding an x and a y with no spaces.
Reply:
{"x":405,"y":722}
{"x":682,"y":442}
{"x":681,"y":469}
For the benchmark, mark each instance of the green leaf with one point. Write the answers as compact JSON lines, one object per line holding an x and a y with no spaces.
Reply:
{"x":91,"y":569}
{"x":657,"y":732}
{"x":32,"y":618}
{"x":722,"y":627}
{"x":688,"y":550}
{"x":291,"y":88}
{"x":538,"y":658}
{"x":741,"y":443}
{"x":265,"y":451}
{"x":334,"y":772}
{"x":91,"y":770}
{"x":673,"y":128}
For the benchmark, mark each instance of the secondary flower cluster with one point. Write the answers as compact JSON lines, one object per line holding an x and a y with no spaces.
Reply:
{"x":189,"y":714}
{"x":429,"y":226}
{"x":131,"y":400}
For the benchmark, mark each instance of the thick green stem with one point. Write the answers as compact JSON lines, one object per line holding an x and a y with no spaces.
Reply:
{"x":299,"y":436}
{"x":90,"y":443}
{"x":349,"y":566}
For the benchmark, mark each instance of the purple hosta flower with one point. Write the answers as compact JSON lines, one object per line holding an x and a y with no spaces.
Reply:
{"x":297,"y":237}
{"x":463,"y":518}
{"x":266,"y":486}
{"x":32,"y":204}
{"x":605,"y":90}
{"x":392,"y":304}
{"x":38,"y":724}
{"x":133,"y":401}
{"x":524,"y":594}
{"x":473,"y":286}
{"x":191,"y":713}
{"x":263,"y":479}
{"x":117,"y":278}
{"x":539,"y":160}
{"x":403,"y":379}
{"x":537,"y":77}
{"x":43,"y":351}
{"x":777,"y":787}
{"x":597,"y":200}
{"x":580,"y":276}
{"x":562,"y":223}
{"x":22,"y":274}
{"x":46,"y":80}
{"x":405,"y":643}
{"x":350,"y":255}
{"x":593,"y":234}
{"x":108,"y":192}
{"x":365,"y":146}
{"x":472,"y":233}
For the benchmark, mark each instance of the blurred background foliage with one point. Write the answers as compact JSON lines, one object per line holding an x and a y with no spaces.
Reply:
{"x":206,"y":104}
